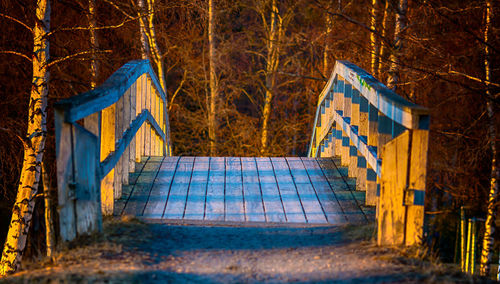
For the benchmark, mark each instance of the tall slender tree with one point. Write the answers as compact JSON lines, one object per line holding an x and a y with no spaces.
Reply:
{"x":373,"y":42}
{"x":401,"y":22}
{"x":34,"y":144}
{"x":274,"y":34}
{"x":489,"y":226}
{"x":383,"y":30}
{"x":212,"y":123}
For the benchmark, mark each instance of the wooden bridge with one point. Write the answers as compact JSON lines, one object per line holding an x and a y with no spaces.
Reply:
{"x":368,"y":148}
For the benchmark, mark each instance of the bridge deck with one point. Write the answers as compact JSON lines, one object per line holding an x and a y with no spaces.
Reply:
{"x":234,"y":189}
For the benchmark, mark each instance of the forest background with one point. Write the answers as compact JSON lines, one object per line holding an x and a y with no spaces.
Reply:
{"x":440,"y":58}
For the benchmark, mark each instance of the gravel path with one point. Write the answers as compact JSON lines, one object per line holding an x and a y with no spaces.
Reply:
{"x":134,"y":252}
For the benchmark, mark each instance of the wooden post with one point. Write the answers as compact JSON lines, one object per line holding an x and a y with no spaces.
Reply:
{"x":133,"y":114}
{"x":126,"y":124}
{"x":107,"y":146}
{"x":353,"y":151}
{"x":119,"y":121}
{"x":339,"y":105}
{"x":363,"y":135}
{"x":139,"y":141}
{"x":346,"y":141}
{"x":147,"y":105}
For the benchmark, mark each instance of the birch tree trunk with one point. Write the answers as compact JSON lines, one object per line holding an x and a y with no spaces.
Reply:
{"x":373,"y":41}
{"x":149,"y":46}
{"x":329,"y":26}
{"x":273,"y":50}
{"x":213,"y":80}
{"x":50,"y":234}
{"x":488,"y":240}
{"x":383,"y":33}
{"x":34,"y":145}
{"x":142,"y":31}
{"x":393,"y":79}
{"x":94,"y":65}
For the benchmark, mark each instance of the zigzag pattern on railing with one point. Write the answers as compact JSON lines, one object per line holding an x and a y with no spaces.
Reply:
{"x":359,"y":119}
{"x":124,"y":119}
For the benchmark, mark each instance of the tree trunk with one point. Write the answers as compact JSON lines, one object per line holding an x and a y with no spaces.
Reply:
{"x":213,"y":80}
{"x":329,"y":25}
{"x":94,"y":65}
{"x":373,"y":41}
{"x":382,"y":43}
{"x":488,"y":240}
{"x":50,"y":235}
{"x":393,"y":79}
{"x":271,"y":68}
{"x":34,"y":145}
{"x":142,"y":30}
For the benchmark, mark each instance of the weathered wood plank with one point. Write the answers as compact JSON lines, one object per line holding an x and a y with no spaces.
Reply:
{"x":215,"y":190}
{"x":289,"y":195}
{"x":234,"y":210}
{"x":176,"y":203}
{"x":107,"y":146}
{"x":147,"y":105}
{"x":310,"y":202}
{"x":161,"y":188}
{"x":195,"y":206}
{"x":254,"y":208}
{"x":270,"y":192}
{"x":85,"y":104}
{"x":117,"y":185}
{"x":137,"y":201}
{"x":327,"y":198}
{"x":391,"y":212}
{"x":344,"y":196}
{"x":132,"y":151}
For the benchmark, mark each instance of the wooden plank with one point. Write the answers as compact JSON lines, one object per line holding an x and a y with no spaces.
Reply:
{"x":418,"y":174}
{"x":131,"y":147}
{"x":215,"y":190}
{"x":289,"y":195}
{"x":254,"y":208}
{"x":126,"y":124}
{"x":195,"y":206}
{"x":107,"y":146}
{"x":161,"y":188}
{"x":117,"y":187}
{"x":139,"y":141}
{"x":312,"y":207}
{"x":345,"y":197}
{"x":176,"y":203}
{"x":391,"y":212}
{"x":137,"y":201}
{"x":234,"y":206}
{"x":270,"y":192}
{"x":147,"y":105}
{"x":327,"y":198}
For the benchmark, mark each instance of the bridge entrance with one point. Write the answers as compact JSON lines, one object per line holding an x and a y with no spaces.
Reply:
{"x":243,"y":190}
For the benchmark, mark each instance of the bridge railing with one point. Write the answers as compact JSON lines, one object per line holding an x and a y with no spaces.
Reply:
{"x":382,"y":139}
{"x":100,"y":135}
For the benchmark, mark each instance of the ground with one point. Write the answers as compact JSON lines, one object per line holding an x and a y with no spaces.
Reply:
{"x":130,"y":251}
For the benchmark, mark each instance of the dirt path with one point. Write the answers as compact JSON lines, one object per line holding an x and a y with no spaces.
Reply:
{"x":133,"y":252}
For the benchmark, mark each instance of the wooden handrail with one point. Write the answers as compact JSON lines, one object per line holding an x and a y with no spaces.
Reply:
{"x":85,"y":104}
{"x":362,"y":121}
{"x":124,"y":119}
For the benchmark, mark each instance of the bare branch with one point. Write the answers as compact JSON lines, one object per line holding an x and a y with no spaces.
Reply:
{"x":95,"y":28}
{"x":474,"y":78}
{"x":54,"y":62}
{"x":178,"y":89}
{"x":16,"y":53}
{"x":17,"y":21}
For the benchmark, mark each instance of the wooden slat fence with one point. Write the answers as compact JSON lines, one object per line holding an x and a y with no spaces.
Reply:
{"x":100,"y":135}
{"x":382,"y":139}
